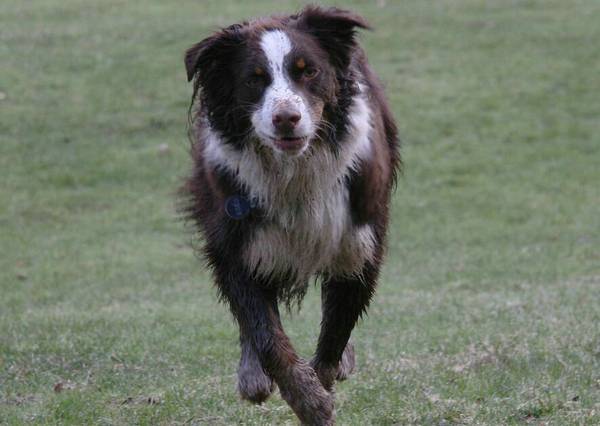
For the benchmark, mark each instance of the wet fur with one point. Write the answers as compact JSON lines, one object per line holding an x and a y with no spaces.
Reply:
{"x":322,"y":214}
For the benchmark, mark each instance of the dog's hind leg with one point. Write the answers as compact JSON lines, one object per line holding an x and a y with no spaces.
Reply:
{"x":344,"y":301}
{"x":347,"y":363}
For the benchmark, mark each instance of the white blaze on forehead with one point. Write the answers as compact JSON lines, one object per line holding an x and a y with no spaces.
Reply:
{"x":276,"y":46}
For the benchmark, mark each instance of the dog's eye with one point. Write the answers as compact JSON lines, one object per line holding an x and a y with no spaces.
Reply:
{"x":255,"y":81}
{"x":310,"y":72}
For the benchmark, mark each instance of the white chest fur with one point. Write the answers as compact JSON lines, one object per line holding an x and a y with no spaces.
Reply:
{"x":314,"y":236}
{"x":308,"y":227}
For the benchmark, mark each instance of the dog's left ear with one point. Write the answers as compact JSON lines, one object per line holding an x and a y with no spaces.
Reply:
{"x":334,"y":28}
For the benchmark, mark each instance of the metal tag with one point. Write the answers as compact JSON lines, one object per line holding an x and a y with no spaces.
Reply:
{"x":237,"y":207}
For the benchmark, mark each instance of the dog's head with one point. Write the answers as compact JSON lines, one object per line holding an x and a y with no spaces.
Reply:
{"x":275,"y":79}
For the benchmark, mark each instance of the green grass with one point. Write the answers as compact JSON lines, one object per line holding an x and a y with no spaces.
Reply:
{"x":488,"y":310}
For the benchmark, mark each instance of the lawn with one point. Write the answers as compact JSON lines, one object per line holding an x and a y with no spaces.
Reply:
{"x":488,"y":309}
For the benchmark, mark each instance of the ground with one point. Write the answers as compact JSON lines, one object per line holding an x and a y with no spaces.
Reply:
{"x":489,"y":303}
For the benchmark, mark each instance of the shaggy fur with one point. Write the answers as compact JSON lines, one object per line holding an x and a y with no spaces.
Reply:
{"x":289,"y":121}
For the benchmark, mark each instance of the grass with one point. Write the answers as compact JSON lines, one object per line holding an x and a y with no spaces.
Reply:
{"x":489,"y":304}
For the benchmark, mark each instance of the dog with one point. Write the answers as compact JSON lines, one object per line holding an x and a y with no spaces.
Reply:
{"x":295,"y":155}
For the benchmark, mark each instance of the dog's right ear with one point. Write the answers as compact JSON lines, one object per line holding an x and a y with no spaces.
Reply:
{"x":192,"y":57}
{"x":205,"y":56}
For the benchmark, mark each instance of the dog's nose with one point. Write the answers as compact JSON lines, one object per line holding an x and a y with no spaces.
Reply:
{"x":285,"y":121}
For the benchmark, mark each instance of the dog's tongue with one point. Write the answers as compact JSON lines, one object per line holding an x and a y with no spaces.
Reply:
{"x":290,"y":144}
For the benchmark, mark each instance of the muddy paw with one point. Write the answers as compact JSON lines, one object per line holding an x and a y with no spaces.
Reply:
{"x":254,"y":384}
{"x":303,"y":391}
{"x":329,"y":374}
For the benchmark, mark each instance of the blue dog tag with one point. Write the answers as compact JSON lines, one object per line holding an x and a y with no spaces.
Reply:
{"x":237,"y":207}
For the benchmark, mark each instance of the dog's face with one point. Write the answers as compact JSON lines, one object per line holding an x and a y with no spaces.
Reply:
{"x":290,"y":90}
{"x":273,"y":80}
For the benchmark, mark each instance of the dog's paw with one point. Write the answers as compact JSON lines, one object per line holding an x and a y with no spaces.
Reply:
{"x":347,"y":364}
{"x":329,"y":374}
{"x":254,"y":385}
{"x":326,"y":375}
{"x":303,"y":391}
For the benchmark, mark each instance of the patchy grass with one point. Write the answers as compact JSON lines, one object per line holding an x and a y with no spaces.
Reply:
{"x":489,"y":304}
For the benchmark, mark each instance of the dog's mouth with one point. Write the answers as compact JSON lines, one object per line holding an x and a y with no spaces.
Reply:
{"x":290,"y":144}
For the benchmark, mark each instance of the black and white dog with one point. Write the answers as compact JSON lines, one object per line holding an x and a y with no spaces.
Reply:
{"x":295,"y":155}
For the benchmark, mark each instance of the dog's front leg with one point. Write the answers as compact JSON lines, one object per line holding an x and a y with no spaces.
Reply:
{"x":254,"y":384}
{"x":256,"y":311}
{"x":344,"y":300}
